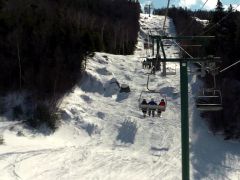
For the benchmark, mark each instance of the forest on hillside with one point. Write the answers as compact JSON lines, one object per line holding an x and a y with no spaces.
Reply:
{"x":44,"y":46}
{"x":225,"y":26}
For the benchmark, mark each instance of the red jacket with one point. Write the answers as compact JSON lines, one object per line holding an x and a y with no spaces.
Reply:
{"x":162,"y":103}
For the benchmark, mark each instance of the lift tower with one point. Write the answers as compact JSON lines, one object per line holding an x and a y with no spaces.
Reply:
{"x":183,"y":88}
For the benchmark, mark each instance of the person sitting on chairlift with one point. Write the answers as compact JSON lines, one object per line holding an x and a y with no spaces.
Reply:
{"x":144,"y":110}
{"x":144,"y":64}
{"x":153,"y":70}
{"x":152,"y":110}
{"x":149,"y":63}
{"x":162,"y":103}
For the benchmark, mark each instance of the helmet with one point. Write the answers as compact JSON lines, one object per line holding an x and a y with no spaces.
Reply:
{"x":162,"y":99}
{"x":152,"y":99}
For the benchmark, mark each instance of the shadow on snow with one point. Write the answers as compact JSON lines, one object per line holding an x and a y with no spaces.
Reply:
{"x":127,"y":132}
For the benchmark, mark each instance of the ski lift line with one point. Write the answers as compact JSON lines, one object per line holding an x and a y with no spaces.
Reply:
{"x":204,"y":4}
{"x":235,"y":9}
{"x":182,"y":49}
{"x":229,"y":66}
{"x":183,"y":37}
{"x":148,"y":84}
{"x":187,"y":52}
{"x":216,"y":59}
{"x":164,"y":23}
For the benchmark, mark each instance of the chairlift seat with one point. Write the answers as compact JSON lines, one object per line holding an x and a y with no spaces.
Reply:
{"x":209,"y":107}
{"x":208,"y":102}
{"x":157,"y":97}
{"x":206,"y":96}
{"x":156,"y":107}
{"x":171,"y":73}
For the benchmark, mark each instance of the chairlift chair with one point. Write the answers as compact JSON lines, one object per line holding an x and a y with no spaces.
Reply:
{"x":147,"y":45}
{"x":152,"y":94}
{"x":171,"y":71}
{"x":209,"y":100}
{"x":146,"y":64}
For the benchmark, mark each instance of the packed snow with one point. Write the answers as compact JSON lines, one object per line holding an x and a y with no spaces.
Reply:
{"x":104,"y":136}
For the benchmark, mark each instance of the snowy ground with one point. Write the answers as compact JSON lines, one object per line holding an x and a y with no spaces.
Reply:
{"x":104,"y":136}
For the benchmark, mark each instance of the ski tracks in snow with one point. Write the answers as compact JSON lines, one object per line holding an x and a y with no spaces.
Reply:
{"x":44,"y":163}
{"x":94,"y":122}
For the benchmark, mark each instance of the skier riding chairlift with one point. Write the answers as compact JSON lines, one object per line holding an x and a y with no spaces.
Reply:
{"x":144,"y":109}
{"x":161,"y":104}
{"x":152,"y":107}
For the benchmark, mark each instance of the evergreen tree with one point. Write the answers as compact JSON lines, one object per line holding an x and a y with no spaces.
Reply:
{"x":237,"y":39}
{"x":41,"y":39}
{"x":230,"y":8}
{"x":218,"y":13}
{"x":216,"y":28}
{"x":229,"y":34}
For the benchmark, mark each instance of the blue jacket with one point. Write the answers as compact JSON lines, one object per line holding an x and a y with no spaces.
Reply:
{"x":152,"y":103}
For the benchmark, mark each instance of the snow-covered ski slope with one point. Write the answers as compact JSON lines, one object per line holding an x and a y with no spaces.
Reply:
{"x":103,"y":135}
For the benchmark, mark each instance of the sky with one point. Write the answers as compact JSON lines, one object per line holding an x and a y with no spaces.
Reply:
{"x":193,"y":4}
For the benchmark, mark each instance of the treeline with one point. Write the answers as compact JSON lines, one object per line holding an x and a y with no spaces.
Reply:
{"x":44,"y":43}
{"x":225,"y":26}
{"x":183,"y":19}
{"x":185,"y":24}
